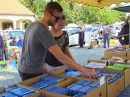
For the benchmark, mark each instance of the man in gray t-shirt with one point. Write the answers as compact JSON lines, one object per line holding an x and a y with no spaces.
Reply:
{"x":38,"y":40}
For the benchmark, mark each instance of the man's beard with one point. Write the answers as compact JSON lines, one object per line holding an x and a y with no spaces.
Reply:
{"x":50,"y":23}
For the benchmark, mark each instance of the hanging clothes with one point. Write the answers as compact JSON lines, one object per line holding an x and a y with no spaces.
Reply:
{"x":87,"y":37}
{"x":81,"y":38}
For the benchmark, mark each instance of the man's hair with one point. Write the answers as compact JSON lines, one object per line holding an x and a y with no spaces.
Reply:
{"x":53,"y":6}
{"x":14,"y":38}
{"x":63,"y":17}
{"x":25,"y":25}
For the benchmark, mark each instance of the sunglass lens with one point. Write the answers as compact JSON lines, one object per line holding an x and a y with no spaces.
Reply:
{"x":58,"y":18}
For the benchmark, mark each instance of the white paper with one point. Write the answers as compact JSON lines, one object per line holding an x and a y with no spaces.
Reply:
{"x":95,"y":65}
{"x":102,"y":80}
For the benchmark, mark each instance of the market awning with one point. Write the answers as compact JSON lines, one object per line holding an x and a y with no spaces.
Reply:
{"x":123,"y":9}
{"x":99,"y":3}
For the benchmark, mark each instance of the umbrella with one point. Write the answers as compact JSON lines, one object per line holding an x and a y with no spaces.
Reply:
{"x":99,"y":3}
{"x":123,"y":9}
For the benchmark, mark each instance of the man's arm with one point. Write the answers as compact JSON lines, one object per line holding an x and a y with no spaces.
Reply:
{"x":122,"y":32}
{"x":68,"y":52}
{"x":64,"y":59}
{"x":103,"y":32}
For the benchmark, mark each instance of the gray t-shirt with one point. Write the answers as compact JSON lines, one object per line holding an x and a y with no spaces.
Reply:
{"x":37,"y":40}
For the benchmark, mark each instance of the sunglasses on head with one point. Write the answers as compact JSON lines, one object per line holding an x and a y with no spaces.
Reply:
{"x":56,"y":17}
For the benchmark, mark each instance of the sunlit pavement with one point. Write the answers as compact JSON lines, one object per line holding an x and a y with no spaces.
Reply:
{"x":81,"y":55}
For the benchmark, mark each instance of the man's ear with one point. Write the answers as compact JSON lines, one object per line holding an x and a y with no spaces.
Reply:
{"x":47,"y":14}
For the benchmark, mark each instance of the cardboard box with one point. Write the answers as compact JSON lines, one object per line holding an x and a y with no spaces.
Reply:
{"x":2,"y":90}
{"x":126,"y":72}
{"x":123,"y":58}
{"x":93,"y":44}
{"x":116,"y":87}
{"x":28,"y":82}
{"x":128,"y":55}
{"x":98,"y":92}
{"x":41,"y":94}
{"x":60,"y":71}
{"x":97,"y":61}
{"x":109,"y":53}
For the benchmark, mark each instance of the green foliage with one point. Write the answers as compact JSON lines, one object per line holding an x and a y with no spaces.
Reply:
{"x":36,"y":6}
{"x":78,"y":13}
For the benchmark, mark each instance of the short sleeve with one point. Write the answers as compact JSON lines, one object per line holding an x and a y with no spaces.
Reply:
{"x":46,"y":38}
{"x":66,"y":39}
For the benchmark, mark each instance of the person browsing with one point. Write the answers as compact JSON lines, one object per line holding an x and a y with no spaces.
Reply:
{"x":62,"y":40}
{"x":38,"y":40}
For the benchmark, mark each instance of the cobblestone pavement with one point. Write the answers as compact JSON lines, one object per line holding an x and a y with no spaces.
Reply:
{"x":81,"y":55}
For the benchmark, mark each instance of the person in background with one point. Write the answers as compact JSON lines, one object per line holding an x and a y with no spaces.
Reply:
{"x":26,"y":25}
{"x":2,"y":46}
{"x":13,"y":42}
{"x":106,"y":34}
{"x":81,"y":37}
{"x":38,"y":40}
{"x":125,"y":30}
{"x":62,"y":40}
{"x":20,"y":42}
{"x":88,"y":38}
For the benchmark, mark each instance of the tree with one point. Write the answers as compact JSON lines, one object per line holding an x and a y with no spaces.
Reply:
{"x":66,"y":10}
{"x":36,"y":6}
{"x":78,"y":13}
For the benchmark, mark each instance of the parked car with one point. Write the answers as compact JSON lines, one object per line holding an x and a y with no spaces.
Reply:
{"x":14,"y":33}
{"x":73,"y":36}
{"x":8,"y":36}
{"x":115,"y":29}
{"x":93,"y":30}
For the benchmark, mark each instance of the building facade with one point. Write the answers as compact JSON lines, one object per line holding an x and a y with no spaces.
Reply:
{"x":12,"y":13}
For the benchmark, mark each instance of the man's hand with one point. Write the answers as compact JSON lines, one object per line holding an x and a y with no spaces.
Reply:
{"x":90,"y":73}
{"x":44,"y":69}
{"x":124,"y":46}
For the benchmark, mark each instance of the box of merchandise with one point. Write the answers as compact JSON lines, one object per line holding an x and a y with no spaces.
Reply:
{"x":128,"y":54}
{"x":78,"y":87}
{"x":66,"y":71}
{"x":95,"y":64}
{"x":123,"y":67}
{"x":115,"y":59}
{"x":114,"y":80}
{"x":118,"y":52}
{"x":42,"y":82}
{"x":43,"y":94}
{"x":16,"y":91}
{"x":93,"y":44}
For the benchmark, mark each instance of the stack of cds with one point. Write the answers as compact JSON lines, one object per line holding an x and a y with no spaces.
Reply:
{"x":78,"y":89}
{"x":46,"y":82}
{"x":58,"y":90}
{"x":113,"y":76}
{"x":72,"y":72}
{"x":83,"y":87}
{"x":14,"y":91}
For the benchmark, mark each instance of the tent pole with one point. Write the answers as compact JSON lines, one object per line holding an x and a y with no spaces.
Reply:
{"x":129,"y":33}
